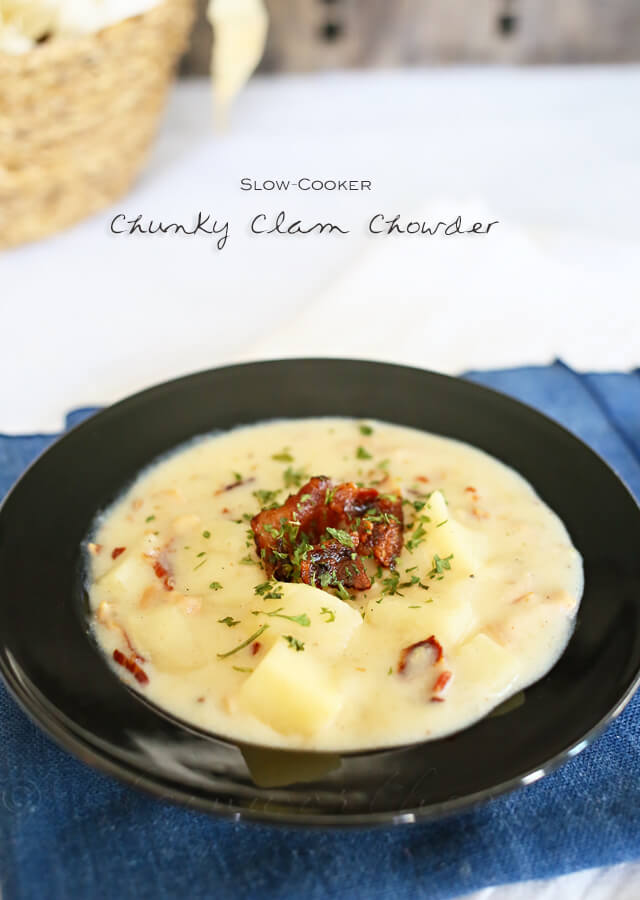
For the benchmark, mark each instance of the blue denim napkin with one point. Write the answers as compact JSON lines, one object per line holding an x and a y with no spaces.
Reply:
{"x":69,"y":832}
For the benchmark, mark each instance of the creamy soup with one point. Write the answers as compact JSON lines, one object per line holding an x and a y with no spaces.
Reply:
{"x":410,"y":585}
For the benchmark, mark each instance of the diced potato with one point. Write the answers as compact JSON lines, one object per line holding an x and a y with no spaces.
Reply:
{"x":445,"y":536}
{"x":450,"y":617}
{"x":174,"y":639}
{"x":129,"y":576}
{"x":290,"y":691}
{"x":483,"y":661}
{"x":325,"y":635}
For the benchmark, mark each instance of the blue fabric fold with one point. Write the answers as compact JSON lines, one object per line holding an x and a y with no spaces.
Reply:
{"x":67,"y":831}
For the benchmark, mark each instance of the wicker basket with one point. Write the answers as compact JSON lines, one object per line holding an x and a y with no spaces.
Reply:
{"x":77,"y":118}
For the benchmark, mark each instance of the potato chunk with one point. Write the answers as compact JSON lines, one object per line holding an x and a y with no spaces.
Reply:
{"x":290,"y":691}
{"x":449,"y":617}
{"x":128,"y":577}
{"x":445,"y":536}
{"x":483,"y":661}
{"x":326,"y":635}
{"x":175,"y":639}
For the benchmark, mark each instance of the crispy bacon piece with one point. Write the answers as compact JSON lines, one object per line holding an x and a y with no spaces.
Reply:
{"x":381,"y":520}
{"x":327,"y":564}
{"x":374,"y":521}
{"x":164,"y":575}
{"x":131,"y":666}
{"x":406,"y":652}
{"x":441,"y":682}
{"x":115,"y":553}
{"x":234,"y":484}
{"x":273,"y":534}
{"x":134,"y":652}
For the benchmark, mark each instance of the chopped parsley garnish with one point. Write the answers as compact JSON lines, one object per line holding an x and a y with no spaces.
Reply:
{"x":249,"y":640}
{"x":442,"y":523}
{"x":247,"y":561}
{"x":361,"y":453}
{"x":283,"y":456}
{"x":325,"y":611}
{"x":414,"y":580}
{"x":237,"y":476}
{"x":294,"y":643}
{"x":416,"y":538}
{"x":268,"y":591}
{"x":242,"y":668}
{"x":266,"y":498}
{"x":149,"y":518}
{"x":391,"y":584}
{"x":200,"y":564}
{"x":206,"y":534}
{"x":342,"y":536}
{"x":229,"y":621}
{"x":365,"y":429}
{"x":202,"y":553}
{"x":293,"y":478}
{"x":342,"y":591}
{"x":302,"y":619}
{"x":328,"y":497}
{"x":262,"y":589}
{"x":440,"y":566}
{"x":215,"y":586}
{"x":383,"y":464}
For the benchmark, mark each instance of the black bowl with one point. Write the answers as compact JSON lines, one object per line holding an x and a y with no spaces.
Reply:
{"x":58,"y":675}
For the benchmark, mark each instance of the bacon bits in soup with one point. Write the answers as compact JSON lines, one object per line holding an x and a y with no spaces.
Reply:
{"x":331,"y":584}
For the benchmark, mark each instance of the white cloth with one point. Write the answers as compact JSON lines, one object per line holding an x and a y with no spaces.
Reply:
{"x":88,"y":316}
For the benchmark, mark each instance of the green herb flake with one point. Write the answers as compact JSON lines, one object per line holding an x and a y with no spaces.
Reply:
{"x":249,"y":640}
{"x":342,"y":537}
{"x":442,"y":523}
{"x":325,"y":611}
{"x":199,"y":566}
{"x":293,"y":478}
{"x":237,"y":476}
{"x":361,"y":453}
{"x":229,"y":621}
{"x":303,"y":619}
{"x":266,"y":498}
{"x":242,"y":668}
{"x":206,"y":535}
{"x":365,"y":429}
{"x":264,"y":588}
{"x":283,"y":456}
{"x":149,"y":518}
{"x":416,"y":538}
{"x":294,"y":643}
{"x":440,"y":566}
{"x":247,"y":561}
{"x":215,"y":586}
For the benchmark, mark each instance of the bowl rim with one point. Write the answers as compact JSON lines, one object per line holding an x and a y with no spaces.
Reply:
{"x":66,"y":735}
